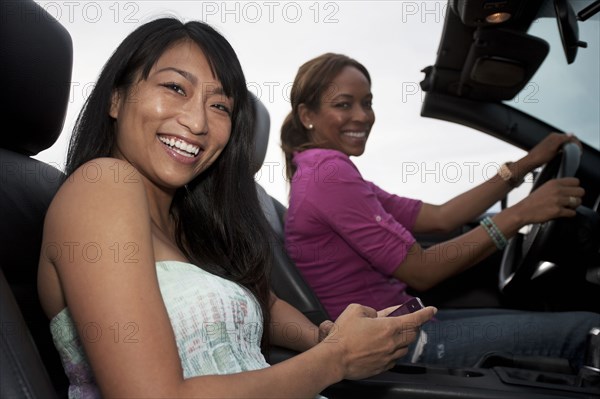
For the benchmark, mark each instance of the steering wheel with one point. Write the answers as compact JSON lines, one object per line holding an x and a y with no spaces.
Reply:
{"x":522,"y":257}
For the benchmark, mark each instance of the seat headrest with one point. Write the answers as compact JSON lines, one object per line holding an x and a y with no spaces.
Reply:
{"x":262,"y":125}
{"x":37,"y":58}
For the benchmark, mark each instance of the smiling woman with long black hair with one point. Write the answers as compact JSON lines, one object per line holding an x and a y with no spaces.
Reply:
{"x":164,"y":292}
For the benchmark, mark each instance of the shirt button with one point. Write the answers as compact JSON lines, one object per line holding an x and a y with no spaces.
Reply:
{"x":378,"y":218}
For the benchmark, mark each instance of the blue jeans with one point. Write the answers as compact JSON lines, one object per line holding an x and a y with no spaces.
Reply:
{"x":458,"y":338}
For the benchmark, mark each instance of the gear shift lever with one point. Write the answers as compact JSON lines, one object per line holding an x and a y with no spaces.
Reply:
{"x":589,"y":374}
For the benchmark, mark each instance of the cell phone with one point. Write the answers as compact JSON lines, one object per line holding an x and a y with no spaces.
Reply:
{"x":410,"y":306}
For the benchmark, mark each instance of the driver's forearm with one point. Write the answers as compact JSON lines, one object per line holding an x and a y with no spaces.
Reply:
{"x":522,"y":167}
{"x":422,"y":269}
{"x":469,"y":205}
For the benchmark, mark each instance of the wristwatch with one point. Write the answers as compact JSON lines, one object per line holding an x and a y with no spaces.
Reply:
{"x":506,"y":175}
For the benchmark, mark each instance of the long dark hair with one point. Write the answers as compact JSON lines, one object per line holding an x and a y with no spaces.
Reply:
{"x":313,"y":79}
{"x":219,"y":223}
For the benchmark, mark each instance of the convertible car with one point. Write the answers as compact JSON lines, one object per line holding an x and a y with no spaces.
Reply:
{"x":516,"y":70}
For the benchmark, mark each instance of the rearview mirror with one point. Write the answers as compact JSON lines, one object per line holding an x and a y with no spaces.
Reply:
{"x":568,"y":28}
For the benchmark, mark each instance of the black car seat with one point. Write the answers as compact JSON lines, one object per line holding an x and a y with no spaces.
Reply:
{"x":36,"y":60}
{"x":286,"y":280}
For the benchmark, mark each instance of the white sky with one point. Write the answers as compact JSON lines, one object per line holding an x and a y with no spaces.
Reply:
{"x":406,"y":154}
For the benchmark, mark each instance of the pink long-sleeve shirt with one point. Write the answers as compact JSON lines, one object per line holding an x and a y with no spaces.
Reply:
{"x":346,"y":235}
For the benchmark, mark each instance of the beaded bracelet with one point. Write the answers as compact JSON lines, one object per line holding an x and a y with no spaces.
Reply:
{"x":494,"y":232}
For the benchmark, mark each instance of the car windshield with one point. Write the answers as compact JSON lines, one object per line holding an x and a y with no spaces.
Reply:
{"x":566,"y":96}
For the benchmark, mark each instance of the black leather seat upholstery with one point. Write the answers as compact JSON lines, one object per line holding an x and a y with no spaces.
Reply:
{"x":36,"y":53}
{"x":286,"y":281}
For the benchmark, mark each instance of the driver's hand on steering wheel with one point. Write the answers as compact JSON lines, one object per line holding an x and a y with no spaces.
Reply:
{"x":547,"y":149}
{"x":555,"y":198}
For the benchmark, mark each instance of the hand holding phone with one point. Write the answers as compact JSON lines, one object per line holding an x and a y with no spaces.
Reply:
{"x":410,"y":306}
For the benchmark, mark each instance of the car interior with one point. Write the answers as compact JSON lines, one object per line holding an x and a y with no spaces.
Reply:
{"x":479,"y":64}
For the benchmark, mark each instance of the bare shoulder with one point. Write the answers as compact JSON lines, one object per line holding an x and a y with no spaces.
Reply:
{"x":102,"y":174}
{"x":102,"y":202}
{"x":97,"y":186}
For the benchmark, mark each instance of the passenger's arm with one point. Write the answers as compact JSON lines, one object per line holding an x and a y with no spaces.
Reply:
{"x":293,"y":330}
{"x":290,"y":328}
{"x":94,"y":215}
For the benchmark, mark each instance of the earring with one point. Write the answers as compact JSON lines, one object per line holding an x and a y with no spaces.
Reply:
{"x":310,"y":126}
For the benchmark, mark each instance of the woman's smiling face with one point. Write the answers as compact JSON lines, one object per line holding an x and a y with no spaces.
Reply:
{"x":345,"y":116}
{"x":174,"y":124}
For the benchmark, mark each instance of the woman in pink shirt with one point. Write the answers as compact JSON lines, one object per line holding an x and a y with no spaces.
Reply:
{"x":353,"y":242}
